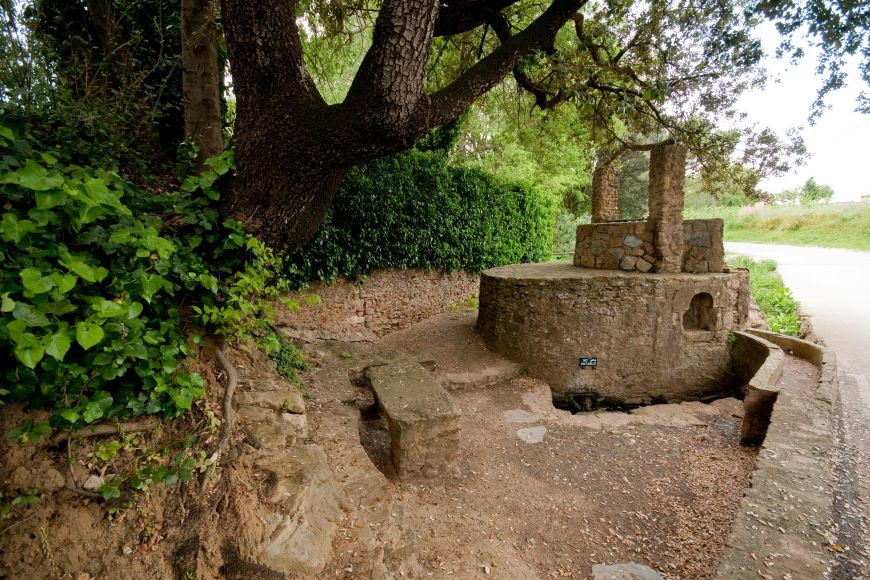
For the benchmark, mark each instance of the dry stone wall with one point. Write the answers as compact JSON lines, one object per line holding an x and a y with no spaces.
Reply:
{"x":630,"y":246}
{"x":547,"y":316}
{"x":386,"y":301}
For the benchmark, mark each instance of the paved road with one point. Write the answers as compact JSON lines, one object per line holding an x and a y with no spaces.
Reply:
{"x":833,"y":287}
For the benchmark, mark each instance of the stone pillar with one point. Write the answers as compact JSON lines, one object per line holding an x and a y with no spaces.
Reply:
{"x":605,"y":194}
{"x":667,"y":176}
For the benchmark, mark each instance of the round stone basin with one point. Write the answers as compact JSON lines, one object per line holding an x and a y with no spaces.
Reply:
{"x":619,"y":337}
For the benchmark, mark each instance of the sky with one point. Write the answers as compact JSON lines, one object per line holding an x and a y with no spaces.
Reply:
{"x":837,"y":142}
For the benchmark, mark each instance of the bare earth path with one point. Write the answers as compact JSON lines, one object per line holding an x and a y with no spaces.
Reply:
{"x":833,"y":287}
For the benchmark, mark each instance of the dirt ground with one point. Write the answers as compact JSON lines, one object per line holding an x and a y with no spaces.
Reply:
{"x":602,"y":491}
{"x":657,"y":487}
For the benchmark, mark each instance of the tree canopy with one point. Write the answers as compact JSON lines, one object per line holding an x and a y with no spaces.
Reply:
{"x":323,"y":86}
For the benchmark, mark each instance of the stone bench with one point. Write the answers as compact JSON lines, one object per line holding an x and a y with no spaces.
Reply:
{"x":422,"y":418}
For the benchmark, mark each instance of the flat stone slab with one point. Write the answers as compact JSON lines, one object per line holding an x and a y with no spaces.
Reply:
{"x":629,"y":571}
{"x":520,"y":416}
{"x":422,"y":418}
{"x":532,"y":435}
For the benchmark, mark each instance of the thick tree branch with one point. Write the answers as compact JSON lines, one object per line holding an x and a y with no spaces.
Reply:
{"x":453,"y":100}
{"x":267,"y":58}
{"x":544,"y":99}
{"x":463,"y":15}
{"x":389,"y":83}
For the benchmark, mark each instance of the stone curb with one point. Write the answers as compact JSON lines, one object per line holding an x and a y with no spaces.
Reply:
{"x":780,"y":527}
{"x":759,"y":363}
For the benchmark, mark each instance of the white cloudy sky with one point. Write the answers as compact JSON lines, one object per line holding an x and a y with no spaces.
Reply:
{"x":838,"y":141}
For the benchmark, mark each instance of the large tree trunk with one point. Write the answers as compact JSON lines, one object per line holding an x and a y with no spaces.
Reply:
{"x":293,"y":150}
{"x":201,"y":78}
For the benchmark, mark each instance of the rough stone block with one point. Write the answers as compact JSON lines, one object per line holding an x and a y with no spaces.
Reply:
{"x":632,"y":241}
{"x":285,"y":401}
{"x":422,"y":418}
{"x":598,"y":247}
{"x":628,"y":263}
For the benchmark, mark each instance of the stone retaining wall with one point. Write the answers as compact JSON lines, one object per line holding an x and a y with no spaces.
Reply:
{"x":630,"y":246}
{"x":386,"y":301}
{"x":758,"y":363}
{"x":779,"y":527}
{"x":547,"y":316}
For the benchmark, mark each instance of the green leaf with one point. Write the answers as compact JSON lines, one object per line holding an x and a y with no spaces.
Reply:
{"x":108,"y":309}
{"x":35,"y":177}
{"x":71,"y":415}
{"x":30,"y":315}
{"x":49,"y":199}
{"x":8,"y":305}
{"x":151,"y":284}
{"x":15,"y":329}
{"x":12,"y":229}
{"x":121,"y":236}
{"x":66,"y":282}
{"x":29,"y":350}
{"x":57,"y":344}
{"x":134,"y":310}
{"x":7,"y":133}
{"x":97,"y":406}
{"x":88,"y":334}
{"x":78,"y":265}
{"x":35,"y":282}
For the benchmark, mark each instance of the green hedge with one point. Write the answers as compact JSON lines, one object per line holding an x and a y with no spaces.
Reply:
{"x":413,"y":210}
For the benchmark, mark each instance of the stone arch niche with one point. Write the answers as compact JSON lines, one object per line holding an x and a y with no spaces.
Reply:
{"x":701,"y":314}
{"x":642,"y":315}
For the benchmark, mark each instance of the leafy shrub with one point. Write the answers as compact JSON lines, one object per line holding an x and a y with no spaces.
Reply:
{"x":93,"y":272}
{"x":413,"y":210}
{"x":774,"y":299}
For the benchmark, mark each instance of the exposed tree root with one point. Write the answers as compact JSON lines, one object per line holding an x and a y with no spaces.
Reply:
{"x":147,"y":424}
{"x":229,"y":390}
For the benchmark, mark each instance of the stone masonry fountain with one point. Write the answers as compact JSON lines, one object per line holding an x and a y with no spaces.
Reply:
{"x":642,"y":316}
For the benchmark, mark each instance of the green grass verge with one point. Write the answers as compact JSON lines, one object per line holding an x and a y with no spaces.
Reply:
{"x":837,"y":225}
{"x":774,"y":299}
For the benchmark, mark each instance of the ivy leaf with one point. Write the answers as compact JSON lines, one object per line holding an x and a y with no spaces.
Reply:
{"x":79,"y":266}
{"x":88,"y":334}
{"x":66,"y":282}
{"x":35,"y":282}
{"x":151,"y":284}
{"x":8,"y":304}
{"x":57,"y":344}
{"x":29,"y":315}
{"x":71,"y":415}
{"x":29,"y":350}
{"x":108,"y":309}
{"x":49,"y":199}
{"x":97,"y":406}
{"x":36,"y":178}
{"x":7,"y":133}
{"x":12,"y":229}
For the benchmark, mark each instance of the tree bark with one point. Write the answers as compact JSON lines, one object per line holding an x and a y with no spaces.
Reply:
{"x":201,"y":78}
{"x":293,"y":150}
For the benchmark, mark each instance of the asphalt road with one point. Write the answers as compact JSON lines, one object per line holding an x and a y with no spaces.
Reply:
{"x":833,"y":287}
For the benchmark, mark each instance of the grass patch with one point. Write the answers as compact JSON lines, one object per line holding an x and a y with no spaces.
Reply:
{"x":836,"y":225}
{"x":774,"y":299}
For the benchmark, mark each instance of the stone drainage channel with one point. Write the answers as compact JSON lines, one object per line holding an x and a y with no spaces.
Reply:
{"x":782,"y":528}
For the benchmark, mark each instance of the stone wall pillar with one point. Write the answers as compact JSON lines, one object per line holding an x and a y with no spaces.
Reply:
{"x":605,"y":194}
{"x":667,"y":176}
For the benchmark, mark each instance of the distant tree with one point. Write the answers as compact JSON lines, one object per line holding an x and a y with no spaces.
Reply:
{"x":813,"y":192}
